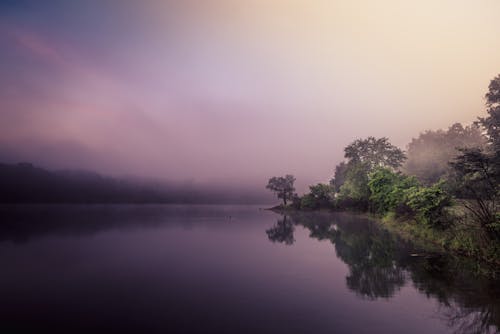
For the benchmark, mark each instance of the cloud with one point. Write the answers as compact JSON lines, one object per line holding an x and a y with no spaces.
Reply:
{"x":38,"y":47}
{"x":237,"y":90}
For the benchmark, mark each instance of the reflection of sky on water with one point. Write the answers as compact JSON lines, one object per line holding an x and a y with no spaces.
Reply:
{"x":213,"y":269}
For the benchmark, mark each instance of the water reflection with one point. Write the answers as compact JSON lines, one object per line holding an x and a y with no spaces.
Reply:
{"x":24,"y":223}
{"x":380,"y":264}
{"x":201,"y":269}
{"x":282,"y":231}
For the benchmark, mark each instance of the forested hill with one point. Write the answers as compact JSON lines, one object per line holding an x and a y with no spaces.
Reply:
{"x":26,"y":183}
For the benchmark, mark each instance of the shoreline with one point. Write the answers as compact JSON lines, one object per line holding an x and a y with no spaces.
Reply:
{"x":436,"y":241}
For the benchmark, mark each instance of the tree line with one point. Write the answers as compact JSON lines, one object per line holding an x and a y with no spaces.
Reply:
{"x":26,"y":183}
{"x":448,"y":180}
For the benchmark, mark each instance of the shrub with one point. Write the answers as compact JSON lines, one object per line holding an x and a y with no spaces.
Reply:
{"x":320,"y":196}
{"x":308,"y":203}
{"x":389,"y":191}
{"x":430,"y":205}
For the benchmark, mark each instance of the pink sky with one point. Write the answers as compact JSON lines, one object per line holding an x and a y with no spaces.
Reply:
{"x":235,"y":91}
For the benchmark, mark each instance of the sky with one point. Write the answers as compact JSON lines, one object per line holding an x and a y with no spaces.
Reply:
{"x":235,"y":91}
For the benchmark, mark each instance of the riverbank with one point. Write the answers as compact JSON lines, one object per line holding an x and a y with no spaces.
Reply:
{"x":461,"y":240}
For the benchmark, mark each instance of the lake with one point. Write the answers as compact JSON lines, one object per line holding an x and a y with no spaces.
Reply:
{"x":227,"y":269}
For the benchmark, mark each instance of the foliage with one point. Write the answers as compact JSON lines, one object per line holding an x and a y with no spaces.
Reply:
{"x":492,"y":122}
{"x":430,"y":203}
{"x":307,"y":202}
{"x":355,"y":189}
{"x":477,"y":171}
{"x":389,"y":190}
{"x":400,"y":194}
{"x":478,"y":183}
{"x":465,"y":160}
{"x":364,"y":156}
{"x":429,"y":154}
{"x":319,"y":197}
{"x":282,"y":187}
{"x":375,"y":152}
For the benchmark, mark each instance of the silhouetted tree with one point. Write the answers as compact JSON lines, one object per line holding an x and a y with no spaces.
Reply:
{"x":282,"y":187}
{"x":477,"y":170}
{"x":492,"y":122}
{"x":477,"y":178}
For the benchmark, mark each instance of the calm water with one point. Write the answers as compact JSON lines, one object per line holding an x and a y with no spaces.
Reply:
{"x":226,"y":269}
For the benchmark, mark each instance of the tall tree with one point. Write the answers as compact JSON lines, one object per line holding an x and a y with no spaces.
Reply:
{"x":376,"y":152}
{"x":477,"y":170}
{"x":364,"y":156}
{"x":492,"y":122}
{"x":282,"y":186}
{"x":478,"y":184}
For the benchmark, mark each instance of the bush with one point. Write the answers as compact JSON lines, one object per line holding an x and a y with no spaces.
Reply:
{"x":389,"y":191}
{"x":308,"y":203}
{"x":403,"y":195}
{"x":430,"y":205}
{"x":320,"y":196}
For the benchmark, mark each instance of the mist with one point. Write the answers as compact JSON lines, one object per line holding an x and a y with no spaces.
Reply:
{"x":224,"y":93}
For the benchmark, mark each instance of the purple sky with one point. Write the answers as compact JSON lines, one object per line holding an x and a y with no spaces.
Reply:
{"x":234,"y":91}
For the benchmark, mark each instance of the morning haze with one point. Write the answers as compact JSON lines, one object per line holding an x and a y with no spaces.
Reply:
{"x":257,"y":166}
{"x":219,"y":91}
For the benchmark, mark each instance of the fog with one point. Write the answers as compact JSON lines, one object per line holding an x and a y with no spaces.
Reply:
{"x":234,"y":92}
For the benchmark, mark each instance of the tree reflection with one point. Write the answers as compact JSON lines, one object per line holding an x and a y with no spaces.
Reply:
{"x":370,"y":255}
{"x":469,"y":303}
{"x":380,"y":264}
{"x":368,"y":252}
{"x":464,"y":320}
{"x":282,"y":231}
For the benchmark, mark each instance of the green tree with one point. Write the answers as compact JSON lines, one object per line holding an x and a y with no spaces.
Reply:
{"x":363,"y":156}
{"x":319,"y":196}
{"x":389,"y":190}
{"x":430,"y":204}
{"x":307,"y":202}
{"x":355,"y":186}
{"x":376,"y":152}
{"x":282,"y":186}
